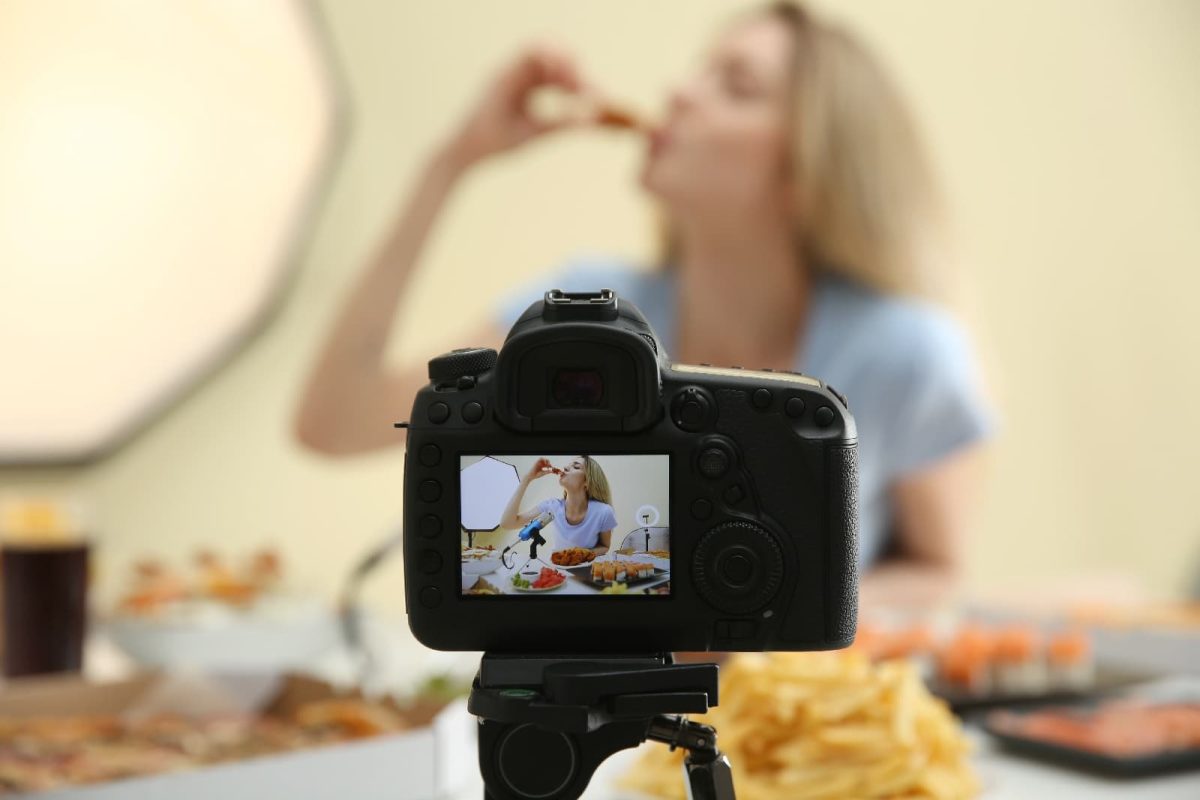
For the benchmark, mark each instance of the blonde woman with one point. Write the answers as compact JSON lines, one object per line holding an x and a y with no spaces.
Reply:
{"x":799,"y":210}
{"x":583,"y":516}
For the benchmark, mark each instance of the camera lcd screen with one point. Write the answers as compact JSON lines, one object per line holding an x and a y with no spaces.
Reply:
{"x":565,"y":525}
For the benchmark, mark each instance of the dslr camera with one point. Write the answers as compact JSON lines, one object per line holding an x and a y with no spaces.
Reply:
{"x":580,"y":493}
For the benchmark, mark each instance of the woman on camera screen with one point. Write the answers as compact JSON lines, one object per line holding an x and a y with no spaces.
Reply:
{"x":583,"y":516}
{"x":799,"y":222}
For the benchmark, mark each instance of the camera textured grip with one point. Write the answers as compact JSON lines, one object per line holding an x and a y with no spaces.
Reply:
{"x":842,"y":601}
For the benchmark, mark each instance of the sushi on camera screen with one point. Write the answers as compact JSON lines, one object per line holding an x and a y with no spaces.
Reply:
{"x":565,"y":524}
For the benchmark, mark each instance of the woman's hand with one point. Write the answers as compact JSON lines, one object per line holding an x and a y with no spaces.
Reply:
{"x":540,"y":468}
{"x":501,"y":119}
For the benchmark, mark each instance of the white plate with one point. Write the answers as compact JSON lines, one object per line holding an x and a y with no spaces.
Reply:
{"x":543,"y":589}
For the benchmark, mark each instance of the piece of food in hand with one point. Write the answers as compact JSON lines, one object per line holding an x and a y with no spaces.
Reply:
{"x":614,"y":116}
{"x":828,"y":726}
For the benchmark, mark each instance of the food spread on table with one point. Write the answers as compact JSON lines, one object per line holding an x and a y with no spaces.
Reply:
{"x":156,"y":589}
{"x":1122,"y":728}
{"x":971,"y":661}
{"x":42,"y":753}
{"x":825,"y":726}
{"x":572,"y":556}
{"x":547,"y":579}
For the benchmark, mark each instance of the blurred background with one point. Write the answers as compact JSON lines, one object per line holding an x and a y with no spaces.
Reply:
{"x":1064,"y":134}
{"x":188,"y":191}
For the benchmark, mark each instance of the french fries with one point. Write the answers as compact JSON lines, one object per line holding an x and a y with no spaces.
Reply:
{"x":825,"y":726}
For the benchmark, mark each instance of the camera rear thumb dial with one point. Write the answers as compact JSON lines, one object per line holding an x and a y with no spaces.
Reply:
{"x":465,"y":362}
{"x":738,"y":567}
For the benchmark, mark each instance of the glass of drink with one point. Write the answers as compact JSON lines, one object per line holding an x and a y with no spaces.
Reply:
{"x":43,"y":577}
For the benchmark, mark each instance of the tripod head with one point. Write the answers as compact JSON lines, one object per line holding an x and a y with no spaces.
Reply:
{"x":547,"y":723}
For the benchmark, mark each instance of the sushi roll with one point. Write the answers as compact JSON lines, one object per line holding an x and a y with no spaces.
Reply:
{"x":1070,"y":661}
{"x":1019,"y":668}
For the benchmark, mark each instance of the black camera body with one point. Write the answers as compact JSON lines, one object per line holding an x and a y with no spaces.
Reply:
{"x":760,"y":470}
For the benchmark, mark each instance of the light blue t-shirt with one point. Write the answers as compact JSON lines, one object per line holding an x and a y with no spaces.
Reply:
{"x":905,"y":366}
{"x":599,"y":518}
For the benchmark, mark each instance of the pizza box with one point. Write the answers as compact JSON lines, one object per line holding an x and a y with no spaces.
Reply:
{"x":436,"y":759}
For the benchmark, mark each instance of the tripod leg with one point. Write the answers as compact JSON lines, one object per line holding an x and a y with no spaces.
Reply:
{"x":708,"y":778}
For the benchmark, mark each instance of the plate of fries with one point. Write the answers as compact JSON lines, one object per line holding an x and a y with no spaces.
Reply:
{"x":823,"y":726}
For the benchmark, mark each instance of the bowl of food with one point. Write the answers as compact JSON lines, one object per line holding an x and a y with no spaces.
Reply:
{"x":219,"y":615}
{"x":479,"y":561}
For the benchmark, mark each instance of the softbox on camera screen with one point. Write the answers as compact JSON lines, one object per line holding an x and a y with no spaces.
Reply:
{"x":485,"y":488}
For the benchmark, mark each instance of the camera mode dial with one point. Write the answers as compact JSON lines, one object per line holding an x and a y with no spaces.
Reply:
{"x":467,"y":361}
{"x":738,"y":567}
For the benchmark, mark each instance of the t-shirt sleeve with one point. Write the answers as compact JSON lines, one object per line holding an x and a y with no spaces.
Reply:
{"x":550,"y":504}
{"x":608,"y":518}
{"x":939,"y":404}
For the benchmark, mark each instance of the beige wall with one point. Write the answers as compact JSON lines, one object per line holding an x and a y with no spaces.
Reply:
{"x":1067,"y":133}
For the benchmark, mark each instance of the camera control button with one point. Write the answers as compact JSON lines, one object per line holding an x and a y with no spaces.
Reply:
{"x":735,"y":494}
{"x":762,"y":398}
{"x":431,"y":455}
{"x":430,"y":526}
{"x":430,"y":491}
{"x":701,"y":509}
{"x":439,"y":413}
{"x":713,"y":463}
{"x":824,"y":416}
{"x":737,"y":567}
{"x":692,"y":410}
{"x":430,"y":597}
{"x":472,"y":412}
{"x":794,"y":407}
{"x":431,"y":562}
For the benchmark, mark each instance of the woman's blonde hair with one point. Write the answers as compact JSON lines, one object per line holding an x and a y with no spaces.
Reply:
{"x":866,"y":199}
{"x":595,"y":483}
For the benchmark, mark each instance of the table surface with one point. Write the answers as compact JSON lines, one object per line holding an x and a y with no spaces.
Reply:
{"x":1004,"y":777}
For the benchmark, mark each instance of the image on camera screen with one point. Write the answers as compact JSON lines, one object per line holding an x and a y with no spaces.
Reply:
{"x":565,"y":524}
